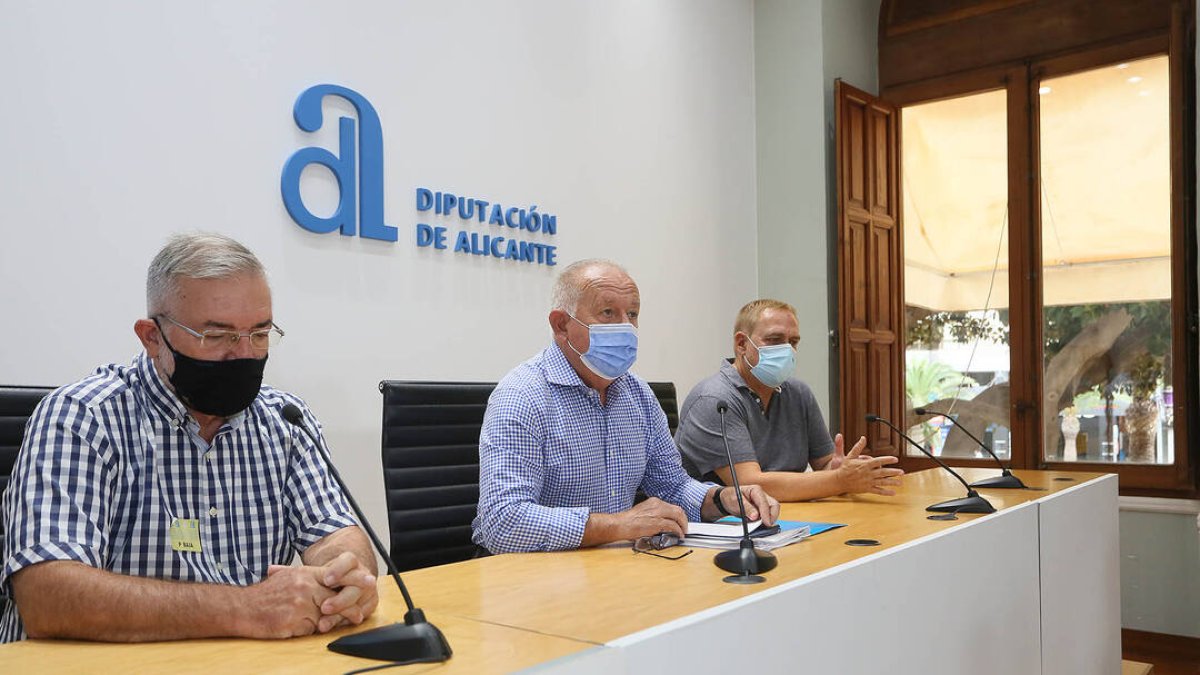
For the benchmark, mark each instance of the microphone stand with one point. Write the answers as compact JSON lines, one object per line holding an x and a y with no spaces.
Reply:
{"x":1004,"y":480}
{"x":972,"y":503}
{"x":746,"y":561}
{"x":414,"y":641}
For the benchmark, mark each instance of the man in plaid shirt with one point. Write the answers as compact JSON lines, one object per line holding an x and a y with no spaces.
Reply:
{"x":570,"y":435}
{"x":163,"y":499}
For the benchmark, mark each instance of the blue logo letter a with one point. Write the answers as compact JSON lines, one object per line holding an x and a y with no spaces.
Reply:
{"x":369,"y":192}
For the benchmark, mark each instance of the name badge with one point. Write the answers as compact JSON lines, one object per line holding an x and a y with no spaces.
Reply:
{"x":185,"y":534}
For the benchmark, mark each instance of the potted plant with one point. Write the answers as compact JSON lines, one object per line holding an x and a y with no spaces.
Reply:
{"x":1141,"y":417}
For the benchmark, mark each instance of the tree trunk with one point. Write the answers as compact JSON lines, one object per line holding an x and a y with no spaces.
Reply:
{"x":989,"y":407}
{"x":1068,"y":365}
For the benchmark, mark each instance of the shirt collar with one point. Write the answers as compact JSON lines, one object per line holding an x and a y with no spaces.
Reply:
{"x":735,"y":378}
{"x":560,"y":371}
{"x":166,"y":401}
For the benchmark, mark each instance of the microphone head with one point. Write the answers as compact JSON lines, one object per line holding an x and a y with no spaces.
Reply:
{"x":292,"y":415}
{"x":922,"y":411}
{"x":722,"y":407}
{"x":872,"y":418}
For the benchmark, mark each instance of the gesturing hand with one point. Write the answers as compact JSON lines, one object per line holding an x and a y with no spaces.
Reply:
{"x":839,"y":451}
{"x":861,"y":473}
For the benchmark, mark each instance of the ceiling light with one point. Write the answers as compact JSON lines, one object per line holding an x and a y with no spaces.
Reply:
{"x":1122,"y":66}
{"x":1044,"y":90}
{"x":1134,"y":80}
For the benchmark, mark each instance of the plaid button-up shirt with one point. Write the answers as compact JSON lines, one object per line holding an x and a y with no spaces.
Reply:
{"x":110,"y":462}
{"x":550,"y":455}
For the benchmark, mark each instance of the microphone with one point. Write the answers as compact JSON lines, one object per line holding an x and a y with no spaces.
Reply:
{"x":972,"y":503}
{"x":746,"y":561}
{"x":414,"y":641}
{"x":1005,"y":480}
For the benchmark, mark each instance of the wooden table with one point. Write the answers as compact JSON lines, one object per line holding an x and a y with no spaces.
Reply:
{"x":934,"y":596}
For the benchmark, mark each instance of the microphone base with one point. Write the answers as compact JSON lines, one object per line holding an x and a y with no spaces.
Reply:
{"x":972,"y":503}
{"x":744,"y":579}
{"x":1004,"y":480}
{"x":415,"y":641}
{"x":745,"y":562}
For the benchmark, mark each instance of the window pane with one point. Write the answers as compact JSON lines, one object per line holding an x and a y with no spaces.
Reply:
{"x":955,"y":174}
{"x":1106,"y":264}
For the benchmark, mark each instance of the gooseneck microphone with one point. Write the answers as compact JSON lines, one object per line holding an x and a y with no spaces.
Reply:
{"x":746,"y":561}
{"x":972,"y":503}
{"x":1005,"y":480}
{"x":414,"y":641}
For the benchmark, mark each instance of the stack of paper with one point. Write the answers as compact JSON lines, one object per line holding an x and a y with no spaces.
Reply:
{"x":727,"y":535}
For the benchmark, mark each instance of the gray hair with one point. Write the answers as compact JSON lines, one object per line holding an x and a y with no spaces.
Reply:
{"x":568,"y":287}
{"x":199,"y":255}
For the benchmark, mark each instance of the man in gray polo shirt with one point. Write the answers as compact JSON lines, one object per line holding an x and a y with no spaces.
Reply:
{"x":773,"y":424}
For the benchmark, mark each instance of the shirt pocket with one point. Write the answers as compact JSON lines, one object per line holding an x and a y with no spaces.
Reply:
{"x":259,"y":524}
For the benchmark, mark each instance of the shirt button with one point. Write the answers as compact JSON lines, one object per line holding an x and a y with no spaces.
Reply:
{"x":208,"y":455}
{"x":221,"y":566}
{"x":213,"y":511}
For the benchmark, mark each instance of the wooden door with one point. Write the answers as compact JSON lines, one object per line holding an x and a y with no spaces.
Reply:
{"x":870,"y":290}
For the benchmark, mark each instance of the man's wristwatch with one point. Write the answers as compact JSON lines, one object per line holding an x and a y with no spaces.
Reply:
{"x":716,"y":500}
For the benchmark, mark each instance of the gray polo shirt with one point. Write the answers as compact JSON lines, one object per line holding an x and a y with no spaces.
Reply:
{"x":789,"y":435}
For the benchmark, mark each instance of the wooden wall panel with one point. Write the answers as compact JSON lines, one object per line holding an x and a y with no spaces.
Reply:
{"x":855,"y":259}
{"x":869,"y":287}
{"x":920,"y":45}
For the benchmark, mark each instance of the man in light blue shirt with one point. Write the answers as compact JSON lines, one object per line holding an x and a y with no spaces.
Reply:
{"x":569,"y":436}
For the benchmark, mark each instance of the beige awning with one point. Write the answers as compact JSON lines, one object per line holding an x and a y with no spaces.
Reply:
{"x":1106,"y":182}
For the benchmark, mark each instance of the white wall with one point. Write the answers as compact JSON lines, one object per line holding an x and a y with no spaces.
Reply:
{"x":1160,"y":554}
{"x":790,"y":118}
{"x":126,"y":121}
{"x":800,"y":48}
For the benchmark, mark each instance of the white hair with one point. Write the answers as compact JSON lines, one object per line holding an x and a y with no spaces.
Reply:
{"x":199,"y":255}
{"x":568,"y":287}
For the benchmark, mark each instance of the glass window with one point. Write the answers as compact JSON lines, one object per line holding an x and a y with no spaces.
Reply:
{"x":955,"y":182}
{"x":1106,"y":264}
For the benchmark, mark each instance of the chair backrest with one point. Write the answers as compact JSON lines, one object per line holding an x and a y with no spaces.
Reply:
{"x":431,"y":468}
{"x":16,"y":405}
{"x":431,"y":465}
{"x":665,"y":393}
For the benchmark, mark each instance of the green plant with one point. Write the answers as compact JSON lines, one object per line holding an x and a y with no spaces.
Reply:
{"x":1143,"y":376}
{"x":1151,"y":319}
{"x":924,"y":328}
{"x":926,"y":381}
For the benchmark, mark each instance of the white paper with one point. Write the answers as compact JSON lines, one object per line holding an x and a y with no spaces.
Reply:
{"x":733,"y":530}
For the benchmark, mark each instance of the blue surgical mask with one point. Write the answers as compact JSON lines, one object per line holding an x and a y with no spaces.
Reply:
{"x":776,"y":363}
{"x":612,"y":348}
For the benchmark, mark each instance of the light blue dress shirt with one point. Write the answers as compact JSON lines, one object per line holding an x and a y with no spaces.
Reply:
{"x":550,"y":455}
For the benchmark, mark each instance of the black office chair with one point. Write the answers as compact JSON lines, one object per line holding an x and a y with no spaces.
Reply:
{"x":665,"y":393}
{"x":431,"y":468}
{"x":431,"y":465}
{"x":16,"y":405}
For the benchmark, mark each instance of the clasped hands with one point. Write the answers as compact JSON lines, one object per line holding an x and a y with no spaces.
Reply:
{"x":306,"y":599}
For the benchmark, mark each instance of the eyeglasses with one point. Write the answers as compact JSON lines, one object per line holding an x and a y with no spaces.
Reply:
{"x":262,"y":340}
{"x":658,"y":542}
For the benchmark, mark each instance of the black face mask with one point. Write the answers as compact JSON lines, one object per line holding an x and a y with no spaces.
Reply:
{"x":220,"y":388}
